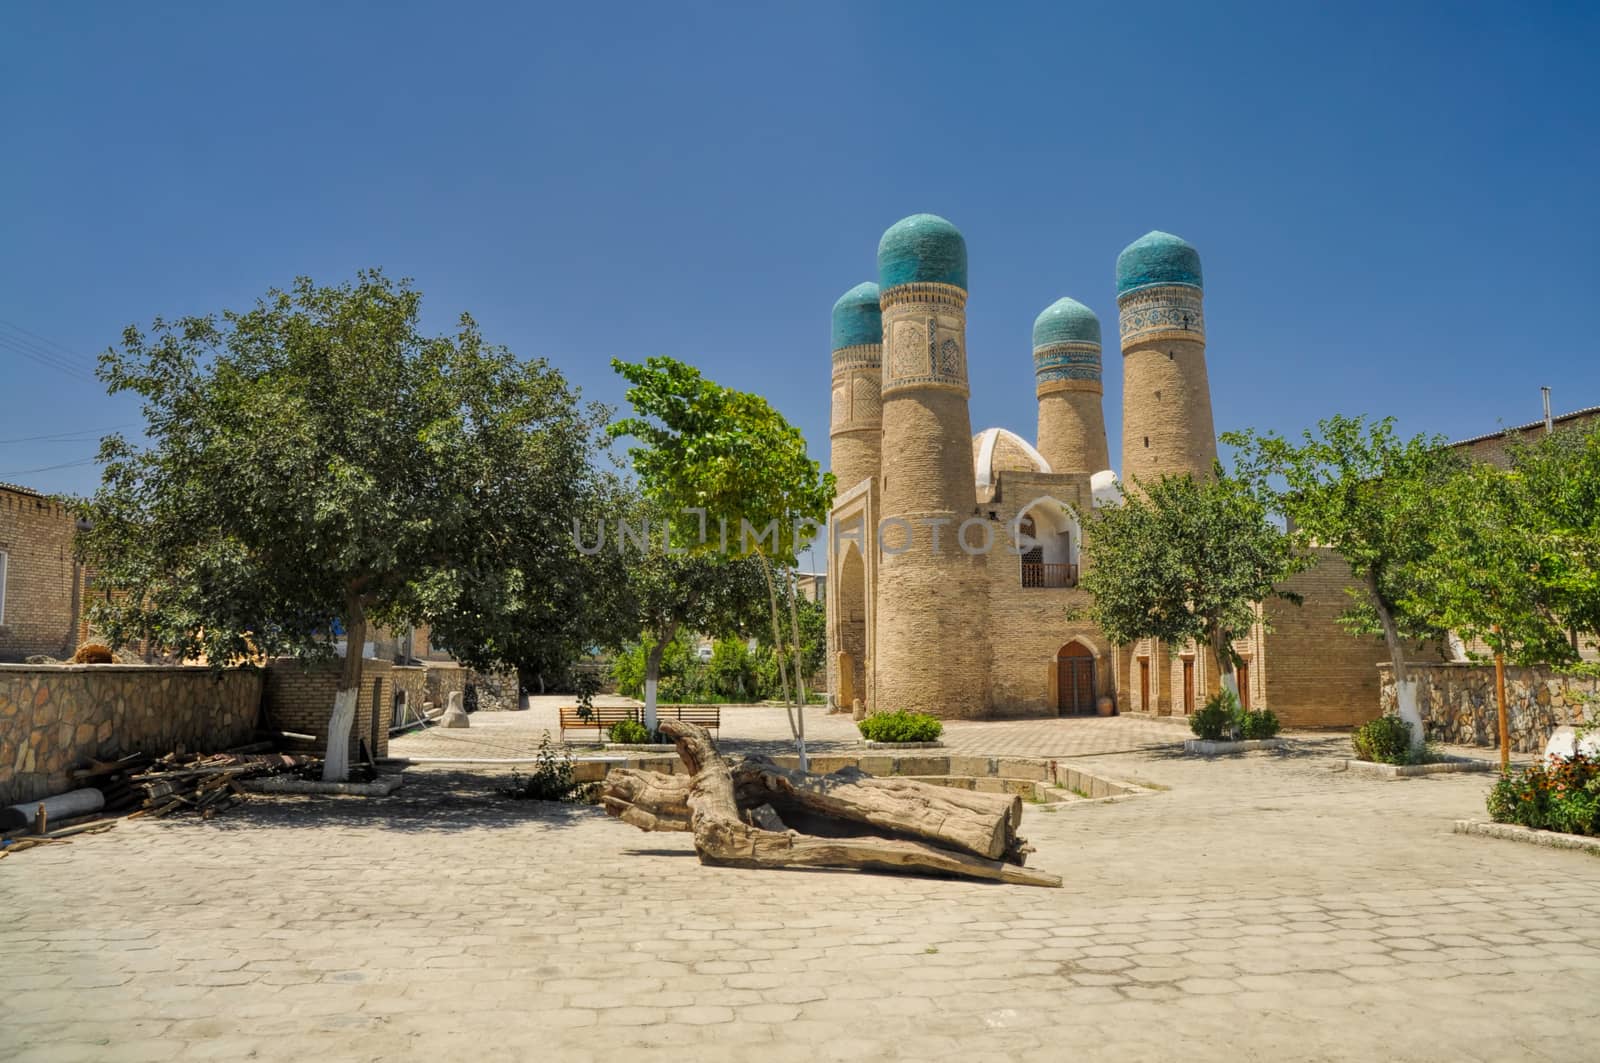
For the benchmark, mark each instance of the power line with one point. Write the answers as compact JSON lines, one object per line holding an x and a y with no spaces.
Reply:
{"x":64,"y":437}
{"x":42,"y":349}
{"x":52,"y":468}
{"x":43,"y":358}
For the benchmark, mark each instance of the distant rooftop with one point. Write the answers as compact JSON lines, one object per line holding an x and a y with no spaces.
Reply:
{"x":19,"y":489}
{"x":1531,"y":426}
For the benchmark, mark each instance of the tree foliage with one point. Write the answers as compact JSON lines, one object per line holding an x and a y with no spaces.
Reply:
{"x":1514,"y":558}
{"x":1360,"y":489}
{"x":1184,"y":559}
{"x":315,"y":461}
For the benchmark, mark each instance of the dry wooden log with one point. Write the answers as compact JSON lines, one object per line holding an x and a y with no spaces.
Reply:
{"x":723,"y":836}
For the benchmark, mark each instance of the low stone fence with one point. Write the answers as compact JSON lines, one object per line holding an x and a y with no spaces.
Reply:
{"x":1459,"y":707}
{"x":53,"y":718}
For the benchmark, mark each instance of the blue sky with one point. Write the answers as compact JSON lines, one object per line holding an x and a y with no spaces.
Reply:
{"x":1395,"y":204}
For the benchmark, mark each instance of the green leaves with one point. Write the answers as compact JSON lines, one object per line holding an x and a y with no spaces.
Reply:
{"x":1182,"y":559}
{"x":317,"y":455}
{"x":726,"y":452}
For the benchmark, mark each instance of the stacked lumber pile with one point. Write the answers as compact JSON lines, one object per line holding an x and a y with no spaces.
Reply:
{"x":184,"y":783}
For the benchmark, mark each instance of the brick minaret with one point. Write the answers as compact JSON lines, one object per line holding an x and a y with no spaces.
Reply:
{"x":1166,"y":399}
{"x":931,"y":650}
{"x":1066,"y":370}
{"x":856,"y":424}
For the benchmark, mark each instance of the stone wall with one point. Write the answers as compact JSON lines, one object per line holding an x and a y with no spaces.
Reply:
{"x":1459,"y":707}
{"x":53,"y":718}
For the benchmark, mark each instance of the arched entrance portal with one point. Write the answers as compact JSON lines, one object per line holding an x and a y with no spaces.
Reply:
{"x":852,"y":604}
{"x":1075,"y":679}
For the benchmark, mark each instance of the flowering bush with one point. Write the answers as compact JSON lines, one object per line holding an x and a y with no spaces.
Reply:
{"x":1560,"y":794}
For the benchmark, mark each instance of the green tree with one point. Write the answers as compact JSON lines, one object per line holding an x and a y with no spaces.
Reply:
{"x":1184,"y":559}
{"x":1360,"y":489}
{"x":728,"y":473}
{"x":314,"y":461}
{"x":545,"y":597}
{"x":1515,"y":558}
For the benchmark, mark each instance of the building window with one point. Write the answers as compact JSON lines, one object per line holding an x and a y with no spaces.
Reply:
{"x":1046,"y":562}
{"x":5,"y":560}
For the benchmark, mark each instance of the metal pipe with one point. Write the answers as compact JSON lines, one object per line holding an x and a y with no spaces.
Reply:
{"x":1549,"y":425}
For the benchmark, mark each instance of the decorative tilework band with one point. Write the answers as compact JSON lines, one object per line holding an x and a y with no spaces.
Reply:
{"x":861,"y":356}
{"x":925,"y":340}
{"x":1071,"y":366}
{"x":947,"y":295}
{"x":1169,"y":311}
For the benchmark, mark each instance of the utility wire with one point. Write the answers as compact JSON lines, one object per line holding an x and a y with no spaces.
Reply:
{"x":52,"y":468}
{"x":66,"y":437}
{"x":42,"y":349}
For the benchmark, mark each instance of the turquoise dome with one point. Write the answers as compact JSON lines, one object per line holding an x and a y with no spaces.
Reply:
{"x":1066,"y":321}
{"x":922,"y":248}
{"x":1158,"y":258}
{"x":856,"y":317}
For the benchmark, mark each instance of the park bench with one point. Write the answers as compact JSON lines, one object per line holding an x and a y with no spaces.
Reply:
{"x":601,"y":717}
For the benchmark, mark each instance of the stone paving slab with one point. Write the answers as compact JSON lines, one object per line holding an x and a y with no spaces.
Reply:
{"x":1264,"y":907}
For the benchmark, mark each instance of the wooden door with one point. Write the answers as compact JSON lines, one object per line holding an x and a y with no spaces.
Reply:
{"x":1242,"y":674}
{"x":1075,"y":679}
{"x":1188,"y":685}
{"x":1144,"y":685}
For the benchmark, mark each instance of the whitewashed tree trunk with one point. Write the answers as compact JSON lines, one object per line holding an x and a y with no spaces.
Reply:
{"x":1405,"y":699}
{"x":1405,"y":688}
{"x":650,"y":703}
{"x":336,"y":761}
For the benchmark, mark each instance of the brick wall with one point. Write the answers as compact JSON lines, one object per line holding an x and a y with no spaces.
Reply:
{"x":1317,"y":675}
{"x":53,"y":718}
{"x":43,"y":584}
{"x":298,"y":696}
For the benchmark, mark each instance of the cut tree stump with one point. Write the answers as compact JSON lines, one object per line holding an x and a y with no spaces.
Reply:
{"x":753,"y":813}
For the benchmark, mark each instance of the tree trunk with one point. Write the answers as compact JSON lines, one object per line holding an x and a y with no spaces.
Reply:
{"x":1226,"y":673}
{"x":652,"y":675}
{"x":799,"y":669}
{"x":1405,"y":688}
{"x":336,"y":764}
{"x":777,"y":649}
{"x":857,"y":820}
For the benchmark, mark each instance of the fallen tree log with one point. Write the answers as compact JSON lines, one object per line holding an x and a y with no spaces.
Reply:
{"x":737,"y":813}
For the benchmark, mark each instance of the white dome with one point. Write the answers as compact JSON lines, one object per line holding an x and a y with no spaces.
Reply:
{"x":1103,"y":488}
{"x":995,"y":450}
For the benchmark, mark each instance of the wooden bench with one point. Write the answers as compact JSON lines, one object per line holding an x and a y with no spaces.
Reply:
{"x":707,"y":716}
{"x":602,"y":717}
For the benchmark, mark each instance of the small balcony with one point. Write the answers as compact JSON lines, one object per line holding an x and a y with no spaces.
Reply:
{"x":1040,"y":574}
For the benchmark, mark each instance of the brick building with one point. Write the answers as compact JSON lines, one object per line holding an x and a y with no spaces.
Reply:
{"x":42,"y":586}
{"x":952,"y":584}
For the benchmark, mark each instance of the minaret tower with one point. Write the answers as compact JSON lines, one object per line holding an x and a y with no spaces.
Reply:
{"x":932,"y":596}
{"x":1166,"y":400}
{"x":856,"y":425}
{"x":1066,"y":370}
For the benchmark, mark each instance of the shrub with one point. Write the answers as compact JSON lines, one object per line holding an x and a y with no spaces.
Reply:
{"x":629,"y":732}
{"x":1560,"y":794}
{"x":1386,"y":740}
{"x":551,"y":779}
{"x":1218,"y":718}
{"x":1260,"y":723}
{"x":900,"y":727}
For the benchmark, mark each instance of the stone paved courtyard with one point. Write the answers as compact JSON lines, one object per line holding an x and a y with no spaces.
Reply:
{"x":762,"y":728}
{"x":1269,"y":907}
